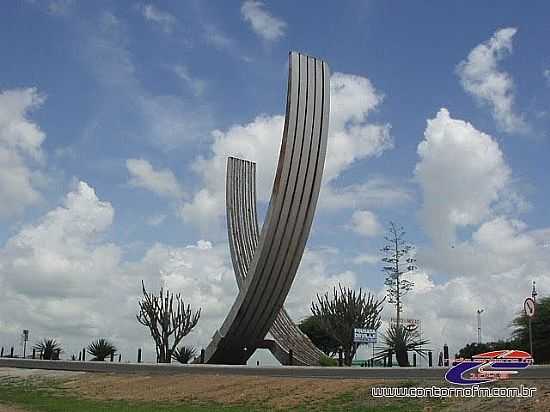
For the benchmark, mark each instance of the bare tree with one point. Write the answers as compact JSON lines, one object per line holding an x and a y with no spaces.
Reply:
{"x":344,"y":311}
{"x":398,"y":262}
{"x":168,"y":320}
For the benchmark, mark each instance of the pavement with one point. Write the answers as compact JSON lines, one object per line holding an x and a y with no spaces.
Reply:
{"x":533,"y":372}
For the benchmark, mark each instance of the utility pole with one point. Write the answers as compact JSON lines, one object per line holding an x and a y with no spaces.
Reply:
{"x":534,"y":296}
{"x":479,"y":312}
{"x":25,"y":340}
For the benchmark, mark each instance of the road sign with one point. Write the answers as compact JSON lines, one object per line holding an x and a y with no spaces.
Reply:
{"x":529,"y":307}
{"x":411,"y":327}
{"x":410,"y":324}
{"x":364,"y":335}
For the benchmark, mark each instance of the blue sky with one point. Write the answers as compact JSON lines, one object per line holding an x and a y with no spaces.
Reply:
{"x":116,"y":118}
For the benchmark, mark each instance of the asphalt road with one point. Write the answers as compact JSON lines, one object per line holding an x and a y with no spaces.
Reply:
{"x":533,"y":372}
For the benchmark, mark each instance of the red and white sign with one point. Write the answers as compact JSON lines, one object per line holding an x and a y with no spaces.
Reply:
{"x":529,"y":307}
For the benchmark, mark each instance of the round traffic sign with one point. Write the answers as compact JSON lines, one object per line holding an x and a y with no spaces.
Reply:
{"x":529,"y":307}
{"x":411,"y":327}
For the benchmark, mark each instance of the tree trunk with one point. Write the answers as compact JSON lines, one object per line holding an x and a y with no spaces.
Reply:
{"x":402,"y":358}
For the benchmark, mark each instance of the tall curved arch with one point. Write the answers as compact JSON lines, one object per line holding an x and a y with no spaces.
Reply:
{"x":266,"y":264}
{"x":243,"y":234}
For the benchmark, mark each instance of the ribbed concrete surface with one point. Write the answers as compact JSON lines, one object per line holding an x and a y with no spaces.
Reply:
{"x":243,"y":234}
{"x":273,"y":265}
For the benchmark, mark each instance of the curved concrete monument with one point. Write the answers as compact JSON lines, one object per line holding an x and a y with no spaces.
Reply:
{"x":266,"y":263}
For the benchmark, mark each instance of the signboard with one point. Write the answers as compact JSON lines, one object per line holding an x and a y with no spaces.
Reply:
{"x":364,"y":335}
{"x":26,"y":335}
{"x":529,"y":307}
{"x":410,"y":324}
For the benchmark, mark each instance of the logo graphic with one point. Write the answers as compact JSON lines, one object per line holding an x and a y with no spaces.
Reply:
{"x":488,"y":367}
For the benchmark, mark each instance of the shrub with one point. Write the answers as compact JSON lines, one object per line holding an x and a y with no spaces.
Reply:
{"x":101,"y":348}
{"x":49,"y":348}
{"x":327,"y":361}
{"x":184,"y":354}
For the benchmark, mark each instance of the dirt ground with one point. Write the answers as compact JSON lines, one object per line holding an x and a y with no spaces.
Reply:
{"x":272,"y":392}
{"x":275,"y":393}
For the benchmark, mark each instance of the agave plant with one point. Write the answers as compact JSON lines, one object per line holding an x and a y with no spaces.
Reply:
{"x":184,"y":354}
{"x":49,"y":348}
{"x":399,"y":340}
{"x":101,"y":348}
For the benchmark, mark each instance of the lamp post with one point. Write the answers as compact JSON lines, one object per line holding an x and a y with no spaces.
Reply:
{"x":479,"y":312}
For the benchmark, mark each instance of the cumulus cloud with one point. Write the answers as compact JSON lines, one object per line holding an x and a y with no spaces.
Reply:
{"x":265,"y":25}
{"x":162,"y":182}
{"x":464,"y":179}
{"x":351,"y":138}
{"x":56,"y":256}
{"x":365,"y":223}
{"x":496,"y":276}
{"x":162,"y":19}
{"x":60,"y":277}
{"x":462,"y":173}
{"x":21,"y":155}
{"x":481,"y":77}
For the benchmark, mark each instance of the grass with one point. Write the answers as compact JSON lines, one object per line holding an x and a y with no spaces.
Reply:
{"x":56,"y":395}
{"x":49,"y":396}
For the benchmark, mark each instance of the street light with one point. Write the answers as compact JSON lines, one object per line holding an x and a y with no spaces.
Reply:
{"x":479,"y":312}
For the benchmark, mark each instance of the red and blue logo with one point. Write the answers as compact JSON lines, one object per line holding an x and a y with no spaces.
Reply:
{"x":488,"y":367}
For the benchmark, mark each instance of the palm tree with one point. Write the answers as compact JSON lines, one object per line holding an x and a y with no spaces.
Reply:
{"x":101,"y":348}
{"x":400,"y":340}
{"x":184,"y":354}
{"x":49,"y":348}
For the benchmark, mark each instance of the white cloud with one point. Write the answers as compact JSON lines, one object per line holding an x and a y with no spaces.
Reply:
{"x":462,"y":173}
{"x":197,"y":86}
{"x":57,"y":256}
{"x":465,"y":179}
{"x":265,"y":25}
{"x":365,"y":223}
{"x":546,"y":74}
{"x":60,"y":7}
{"x":21,"y":153}
{"x":162,"y":182}
{"x":366,"y":258}
{"x":481,"y":77}
{"x":498,"y":279}
{"x":156,"y":220}
{"x":60,"y":278}
{"x":377,"y":192}
{"x":351,"y":138}
{"x":166,"y":121}
{"x":163,"y":19}
{"x":315,"y":276}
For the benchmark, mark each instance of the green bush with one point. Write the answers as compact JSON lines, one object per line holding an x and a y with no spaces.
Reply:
{"x":101,"y":349}
{"x":327,"y":361}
